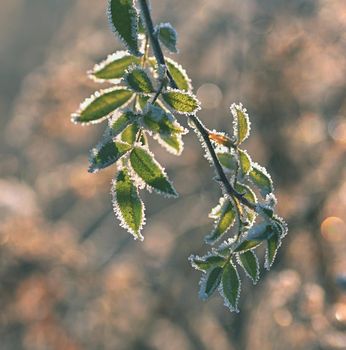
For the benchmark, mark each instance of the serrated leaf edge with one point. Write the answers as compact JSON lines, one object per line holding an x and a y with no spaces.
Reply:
{"x":76,"y":115}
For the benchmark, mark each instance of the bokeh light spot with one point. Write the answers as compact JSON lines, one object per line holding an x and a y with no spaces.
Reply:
{"x":333,"y":229}
{"x":210,"y":95}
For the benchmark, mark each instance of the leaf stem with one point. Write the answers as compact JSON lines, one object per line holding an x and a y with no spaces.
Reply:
{"x":199,"y":126}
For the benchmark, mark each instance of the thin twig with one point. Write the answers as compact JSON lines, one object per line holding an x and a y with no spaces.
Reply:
{"x":199,"y":126}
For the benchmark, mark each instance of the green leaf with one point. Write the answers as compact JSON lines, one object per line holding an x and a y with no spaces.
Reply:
{"x":251,"y":197}
{"x":100,"y":105}
{"x":120,"y":121}
{"x":150,"y":171}
{"x":157,"y":120}
{"x":224,"y":221}
{"x":273,"y":245}
{"x":167,"y":36}
{"x":259,"y":176}
{"x":107,"y":153}
{"x":137,"y":79}
{"x":241,"y":122}
{"x":209,"y":282}
{"x":123,"y":17}
{"x":227,"y":160}
{"x":245,"y":162}
{"x":127,"y":204}
{"x":206,"y":262}
{"x":129,"y":135}
{"x":230,"y":286}
{"x":249,"y":262}
{"x":166,"y":130}
{"x":179,"y":75}
{"x":180,"y":101}
{"x":172,"y":143}
{"x":113,"y":67}
{"x":260,"y":231}
{"x":247,"y":245}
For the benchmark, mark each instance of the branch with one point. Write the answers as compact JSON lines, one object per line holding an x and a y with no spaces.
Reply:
{"x":199,"y":126}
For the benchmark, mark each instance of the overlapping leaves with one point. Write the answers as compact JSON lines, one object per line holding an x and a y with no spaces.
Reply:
{"x":143,"y":101}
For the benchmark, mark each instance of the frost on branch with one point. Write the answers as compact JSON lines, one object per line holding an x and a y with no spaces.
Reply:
{"x":153,"y":98}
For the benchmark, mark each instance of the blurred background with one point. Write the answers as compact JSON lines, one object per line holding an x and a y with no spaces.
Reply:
{"x":72,"y":279}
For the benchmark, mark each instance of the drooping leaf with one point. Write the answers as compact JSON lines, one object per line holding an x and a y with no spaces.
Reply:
{"x":127,"y":204}
{"x":180,"y":101}
{"x":129,"y":135}
{"x":137,"y":79}
{"x":120,"y":121}
{"x":209,"y":282}
{"x":113,"y":67}
{"x":224,"y":221}
{"x":230,"y":286}
{"x":241,"y":122}
{"x":245,"y":162}
{"x":273,"y":244}
{"x":179,"y":75}
{"x":150,"y":171}
{"x":259,"y":176}
{"x":249,"y":262}
{"x":167,"y":36}
{"x":206,"y":262}
{"x":247,"y":245}
{"x":100,"y":105}
{"x":105,"y":154}
{"x":123,"y":17}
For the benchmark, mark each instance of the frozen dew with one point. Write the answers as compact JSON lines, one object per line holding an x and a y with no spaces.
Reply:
{"x":210,"y":95}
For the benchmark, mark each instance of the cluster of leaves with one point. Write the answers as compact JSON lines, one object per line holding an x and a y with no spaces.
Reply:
{"x":146,"y":94}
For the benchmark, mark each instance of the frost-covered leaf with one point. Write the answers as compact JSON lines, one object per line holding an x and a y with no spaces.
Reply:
{"x":129,"y":135}
{"x":105,"y":154}
{"x":250,"y":196}
{"x":113,"y":67}
{"x":123,"y":17}
{"x":206,"y":262}
{"x":247,"y":192}
{"x":230,"y":290}
{"x":224,"y":221}
{"x":167,"y":36}
{"x":247,"y":245}
{"x":259,"y":176}
{"x":227,"y":160}
{"x":245,"y":162}
{"x":100,"y":105}
{"x":260,"y":232}
{"x":279,"y":225}
{"x":127,"y":204}
{"x":151,"y":172}
{"x":172,"y":143}
{"x":157,"y":120}
{"x":220,"y":138}
{"x":209,"y":282}
{"x":137,"y":79}
{"x":180,"y":101}
{"x":120,"y":121}
{"x":273,"y":244}
{"x":241,"y":122}
{"x":179,"y":75}
{"x":249,"y":262}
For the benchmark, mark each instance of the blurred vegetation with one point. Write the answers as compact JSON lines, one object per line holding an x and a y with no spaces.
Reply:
{"x":71,"y":278}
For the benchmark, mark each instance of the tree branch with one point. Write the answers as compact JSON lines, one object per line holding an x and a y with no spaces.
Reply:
{"x":199,"y":126}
